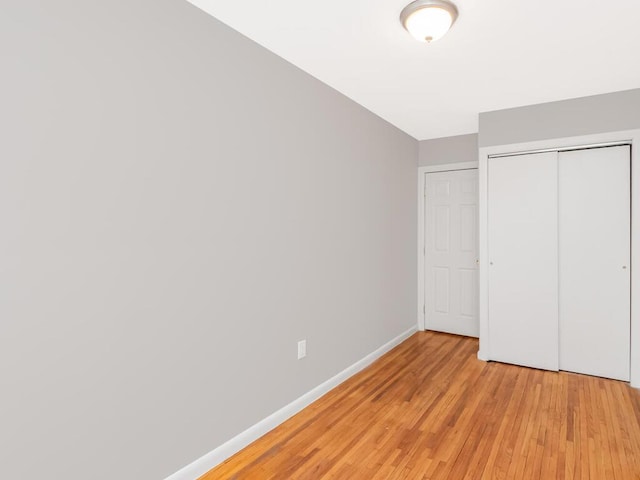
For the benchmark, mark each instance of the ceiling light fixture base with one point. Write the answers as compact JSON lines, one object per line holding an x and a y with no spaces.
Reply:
{"x":428,"y":20}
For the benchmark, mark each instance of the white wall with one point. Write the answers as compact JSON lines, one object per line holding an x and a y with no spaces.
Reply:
{"x":179,"y":207}
{"x":610,"y":112}
{"x":456,"y":149}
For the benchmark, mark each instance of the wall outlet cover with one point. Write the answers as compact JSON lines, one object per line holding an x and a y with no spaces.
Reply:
{"x":302,"y":349}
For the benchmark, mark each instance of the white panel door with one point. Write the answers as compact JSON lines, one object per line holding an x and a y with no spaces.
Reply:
{"x":523,"y":259}
{"x":595,"y":249}
{"x":451,"y":251}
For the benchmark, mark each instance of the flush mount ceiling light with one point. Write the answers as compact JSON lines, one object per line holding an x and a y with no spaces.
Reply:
{"x":428,"y":20}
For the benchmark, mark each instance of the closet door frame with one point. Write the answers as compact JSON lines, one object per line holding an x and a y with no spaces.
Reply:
{"x":628,"y":137}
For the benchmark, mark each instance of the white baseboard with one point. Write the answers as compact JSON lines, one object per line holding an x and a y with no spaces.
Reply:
{"x":215,"y":457}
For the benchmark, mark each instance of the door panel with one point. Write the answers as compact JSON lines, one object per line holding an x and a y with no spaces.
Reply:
{"x":523,"y":260}
{"x":441,"y":282}
{"x":451,"y":250}
{"x":468,"y":228}
{"x":443,"y":228}
{"x":595,"y":302}
{"x":468,"y":287}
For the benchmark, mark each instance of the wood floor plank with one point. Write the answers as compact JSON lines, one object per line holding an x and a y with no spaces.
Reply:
{"x":430,"y":410}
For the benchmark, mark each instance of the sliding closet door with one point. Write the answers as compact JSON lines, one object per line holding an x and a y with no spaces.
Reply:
{"x":594,"y":211}
{"x":523,"y":256}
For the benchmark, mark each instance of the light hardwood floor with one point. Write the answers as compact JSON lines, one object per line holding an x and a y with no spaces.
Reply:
{"x":430,"y":410}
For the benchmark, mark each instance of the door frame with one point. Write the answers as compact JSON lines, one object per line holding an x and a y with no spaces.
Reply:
{"x":631,"y":137}
{"x":422,"y":198}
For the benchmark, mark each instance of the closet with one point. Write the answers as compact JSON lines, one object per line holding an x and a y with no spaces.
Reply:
{"x":558,"y":235}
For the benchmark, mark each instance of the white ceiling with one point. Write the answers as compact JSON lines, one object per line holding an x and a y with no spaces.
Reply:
{"x":499,"y":54}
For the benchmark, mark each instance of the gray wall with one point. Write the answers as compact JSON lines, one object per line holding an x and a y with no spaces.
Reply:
{"x":461,"y":148}
{"x":580,"y":116}
{"x":179,"y":207}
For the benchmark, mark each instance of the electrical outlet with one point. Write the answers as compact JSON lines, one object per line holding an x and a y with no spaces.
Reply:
{"x":302,"y":349}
